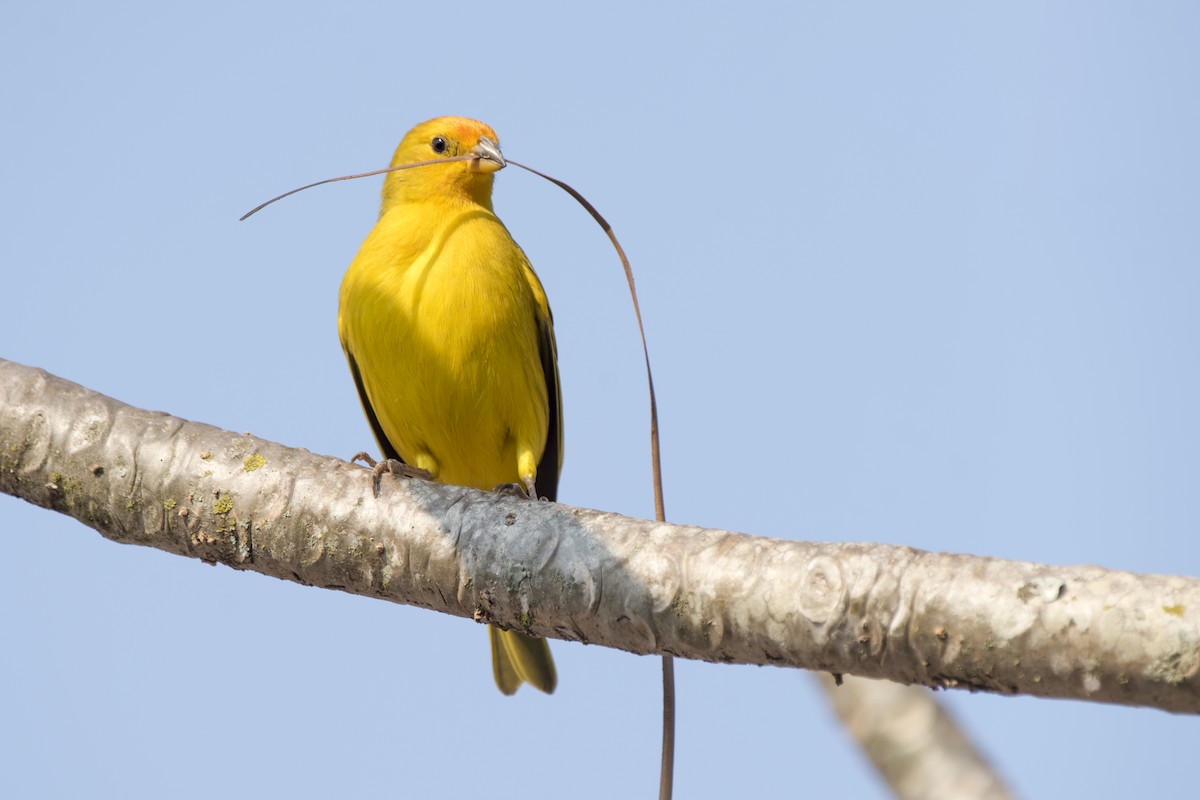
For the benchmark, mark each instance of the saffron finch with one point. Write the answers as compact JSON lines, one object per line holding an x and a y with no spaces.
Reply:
{"x":451,"y":342}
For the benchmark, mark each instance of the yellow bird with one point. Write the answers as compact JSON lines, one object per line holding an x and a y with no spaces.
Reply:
{"x":451,"y":343}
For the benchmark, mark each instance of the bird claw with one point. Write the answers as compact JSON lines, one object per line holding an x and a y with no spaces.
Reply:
{"x":526,"y":491}
{"x":392,"y":466}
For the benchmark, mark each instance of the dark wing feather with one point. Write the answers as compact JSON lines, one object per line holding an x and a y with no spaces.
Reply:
{"x":376,"y":428}
{"x":548,"y":468}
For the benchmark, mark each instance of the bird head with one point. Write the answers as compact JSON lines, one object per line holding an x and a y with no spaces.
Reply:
{"x":443,"y":138}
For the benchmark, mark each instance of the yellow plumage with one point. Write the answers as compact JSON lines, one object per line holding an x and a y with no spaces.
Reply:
{"x":450,"y":340}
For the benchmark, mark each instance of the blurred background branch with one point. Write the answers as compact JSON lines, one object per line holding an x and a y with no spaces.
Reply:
{"x":911,"y":740}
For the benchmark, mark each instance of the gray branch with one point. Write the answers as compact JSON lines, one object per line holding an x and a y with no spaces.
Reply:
{"x":941,"y":620}
{"x":912,"y":741}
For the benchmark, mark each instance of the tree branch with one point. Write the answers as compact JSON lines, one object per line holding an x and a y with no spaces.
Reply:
{"x":912,"y":741}
{"x":936,"y":619}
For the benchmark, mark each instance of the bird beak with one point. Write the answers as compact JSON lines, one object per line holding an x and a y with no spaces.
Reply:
{"x":488,"y":157}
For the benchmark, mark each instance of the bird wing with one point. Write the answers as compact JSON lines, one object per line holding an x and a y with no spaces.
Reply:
{"x":551,"y":461}
{"x":376,"y":428}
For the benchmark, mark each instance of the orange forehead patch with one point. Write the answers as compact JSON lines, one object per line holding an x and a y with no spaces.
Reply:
{"x":467,"y":131}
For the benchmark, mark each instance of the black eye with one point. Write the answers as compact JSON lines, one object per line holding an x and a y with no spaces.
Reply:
{"x":438,"y":144}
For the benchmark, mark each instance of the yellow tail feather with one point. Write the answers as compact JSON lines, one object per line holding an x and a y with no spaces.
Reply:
{"x":517,"y":659}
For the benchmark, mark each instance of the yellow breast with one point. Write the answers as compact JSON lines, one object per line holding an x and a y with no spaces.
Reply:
{"x":440,"y":311}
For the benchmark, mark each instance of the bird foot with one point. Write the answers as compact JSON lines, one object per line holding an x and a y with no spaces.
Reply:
{"x":392,"y":466}
{"x":527,"y":491}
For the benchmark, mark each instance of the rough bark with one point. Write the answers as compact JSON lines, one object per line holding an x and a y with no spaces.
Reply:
{"x":876,"y":611}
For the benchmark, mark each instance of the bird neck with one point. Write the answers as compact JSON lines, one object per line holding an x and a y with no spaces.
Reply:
{"x":456,"y":187}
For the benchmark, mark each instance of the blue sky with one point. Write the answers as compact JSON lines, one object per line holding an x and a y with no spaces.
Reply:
{"x":925,"y":275}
